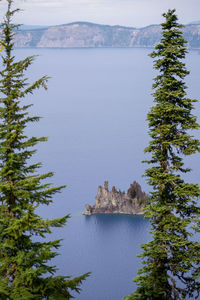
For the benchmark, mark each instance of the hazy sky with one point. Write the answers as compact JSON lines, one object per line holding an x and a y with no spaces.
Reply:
{"x":135,"y":13}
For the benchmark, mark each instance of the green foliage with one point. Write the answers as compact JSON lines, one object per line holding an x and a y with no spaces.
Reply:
{"x":24,"y":270}
{"x":171,"y":260}
{"x":132,"y":192}
{"x":147,"y":199}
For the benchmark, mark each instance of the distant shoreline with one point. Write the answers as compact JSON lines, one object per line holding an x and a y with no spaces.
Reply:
{"x":90,"y":35}
{"x":93,"y":48}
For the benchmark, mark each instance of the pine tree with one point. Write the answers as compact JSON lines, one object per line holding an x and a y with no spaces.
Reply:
{"x":171,"y":260}
{"x":24,"y":254}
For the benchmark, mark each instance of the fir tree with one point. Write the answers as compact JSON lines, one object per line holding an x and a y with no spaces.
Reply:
{"x":24,"y":270}
{"x":171,"y":260}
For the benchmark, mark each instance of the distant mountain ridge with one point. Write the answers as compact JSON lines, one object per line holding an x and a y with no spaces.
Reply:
{"x":194,"y":23}
{"x":85,"y":34}
{"x":32,"y":27}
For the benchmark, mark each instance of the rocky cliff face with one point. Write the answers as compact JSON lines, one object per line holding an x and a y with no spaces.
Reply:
{"x":84,"y":34}
{"x":116,"y":202}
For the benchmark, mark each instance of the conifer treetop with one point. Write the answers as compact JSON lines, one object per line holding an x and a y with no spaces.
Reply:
{"x":171,"y":260}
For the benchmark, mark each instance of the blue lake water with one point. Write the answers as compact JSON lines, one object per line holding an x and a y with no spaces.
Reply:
{"x":94,"y":114}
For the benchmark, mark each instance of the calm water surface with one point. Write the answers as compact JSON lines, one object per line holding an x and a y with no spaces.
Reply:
{"x":94,"y":114}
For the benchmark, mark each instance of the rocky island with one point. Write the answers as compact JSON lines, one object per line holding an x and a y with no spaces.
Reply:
{"x":117,"y":202}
